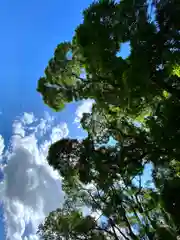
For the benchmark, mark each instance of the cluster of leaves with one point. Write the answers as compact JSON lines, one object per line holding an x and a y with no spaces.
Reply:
{"x":137,"y":103}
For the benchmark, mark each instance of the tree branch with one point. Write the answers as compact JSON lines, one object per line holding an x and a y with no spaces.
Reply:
{"x":114,"y":226}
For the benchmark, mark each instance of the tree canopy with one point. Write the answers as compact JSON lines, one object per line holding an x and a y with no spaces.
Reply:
{"x":137,"y":103}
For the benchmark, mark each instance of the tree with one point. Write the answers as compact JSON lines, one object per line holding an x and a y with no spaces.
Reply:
{"x":137,"y":102}
{"x":96,"y":179}
{"x":135,"y":81}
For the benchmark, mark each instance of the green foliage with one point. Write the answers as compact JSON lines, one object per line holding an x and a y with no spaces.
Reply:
{"x":132,"y":83}
{"x":137,"y":103}
{"x":60,"y":76}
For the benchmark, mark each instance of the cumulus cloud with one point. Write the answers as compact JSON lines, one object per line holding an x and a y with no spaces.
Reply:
{"x":85,"y":107}
{"x":58,"y":132}
{"x":31,"y":188}
{"x":28,"y":118}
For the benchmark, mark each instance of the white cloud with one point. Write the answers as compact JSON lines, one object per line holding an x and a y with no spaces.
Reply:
{"x":18,"y":128}
{"x":85,"y":107}
{"x":58,"y":132}
{"x":28,"y":118}
{"x":31,"y":188}
{"x":45,"y":124}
